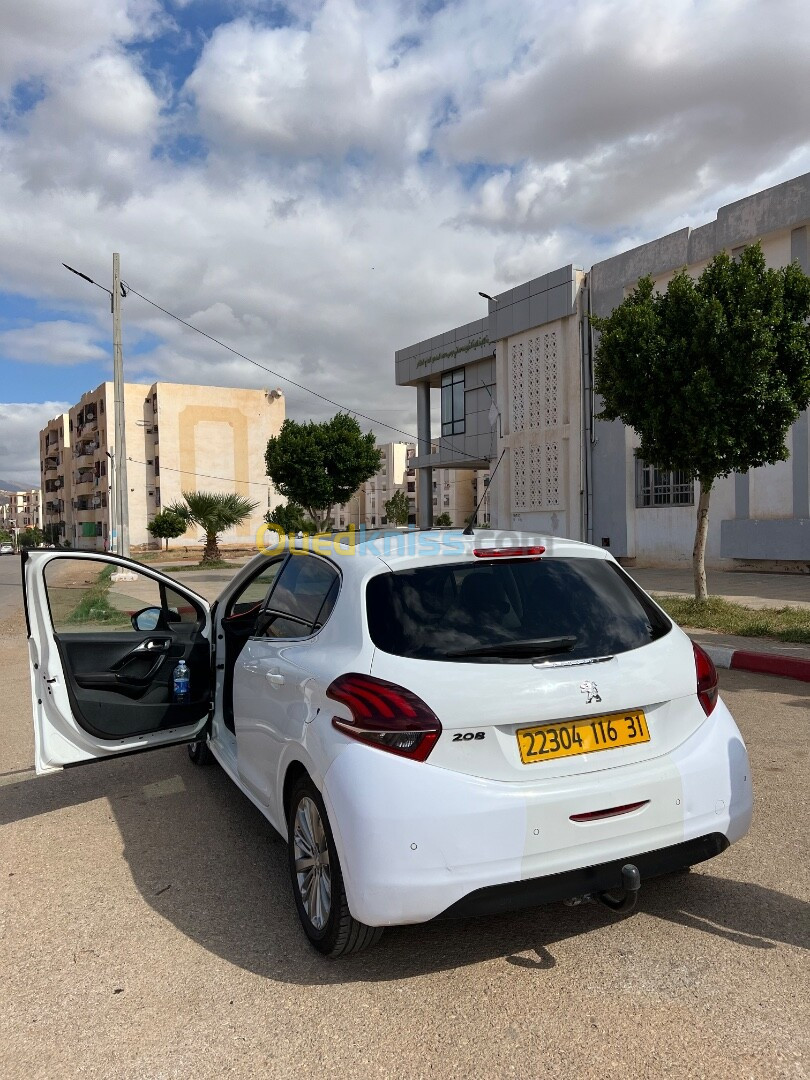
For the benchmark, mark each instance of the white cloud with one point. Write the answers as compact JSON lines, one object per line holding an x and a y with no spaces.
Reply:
{"x":20,"y":425}
{"x":42,"y":39}
{"x":367,"y":168}
{"x":58,"y":342}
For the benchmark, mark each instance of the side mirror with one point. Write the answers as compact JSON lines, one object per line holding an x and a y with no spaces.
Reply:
{"x":147,"y":619}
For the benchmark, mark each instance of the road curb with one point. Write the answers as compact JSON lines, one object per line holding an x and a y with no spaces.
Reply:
{"x":789,"y":667}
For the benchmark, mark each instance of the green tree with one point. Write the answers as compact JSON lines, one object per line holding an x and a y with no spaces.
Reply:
{"x":29,"y":538}
{"x":711,"y":374}
{"x":443,"y":521}
{"x":320,"y":465}
{"x":5,"y":537}
{"x":50,"y":534}
{"x":290,"y":519}
{"x":215,"y":512}
{"x":167,"y":526}
{"x":397,"y":508}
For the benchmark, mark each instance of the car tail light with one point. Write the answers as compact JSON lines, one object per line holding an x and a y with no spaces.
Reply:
{"x":385,"y":715}
{"x":706,"y":679}
{"x":507,"y":552}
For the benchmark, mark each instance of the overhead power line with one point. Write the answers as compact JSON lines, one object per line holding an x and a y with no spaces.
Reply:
{"x":284,"y":378}
{"x":208,"y":476}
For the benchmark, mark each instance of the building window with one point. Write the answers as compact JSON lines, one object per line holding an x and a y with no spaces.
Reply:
{"x":453,"y":402}
{"x":663,"y":487}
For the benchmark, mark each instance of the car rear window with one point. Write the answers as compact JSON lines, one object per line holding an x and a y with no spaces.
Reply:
{"x":511,"y":611}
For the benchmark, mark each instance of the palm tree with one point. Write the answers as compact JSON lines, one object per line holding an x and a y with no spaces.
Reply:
{"x":215,"y":512}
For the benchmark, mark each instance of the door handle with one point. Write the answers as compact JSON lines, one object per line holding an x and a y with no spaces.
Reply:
{"x":154,"y":646}
{"x":274,"y":678}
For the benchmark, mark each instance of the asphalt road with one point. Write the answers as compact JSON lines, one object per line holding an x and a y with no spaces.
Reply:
{"x":10,"y":587}
{"x":147,"y":930}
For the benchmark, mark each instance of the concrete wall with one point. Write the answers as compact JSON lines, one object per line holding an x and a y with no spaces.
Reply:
{"x":778,"y":494}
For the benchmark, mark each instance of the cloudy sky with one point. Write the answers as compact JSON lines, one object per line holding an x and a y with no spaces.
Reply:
{"x":320,"y":183}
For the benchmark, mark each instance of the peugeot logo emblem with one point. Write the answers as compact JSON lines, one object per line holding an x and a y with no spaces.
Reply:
{"x":591,"y":693}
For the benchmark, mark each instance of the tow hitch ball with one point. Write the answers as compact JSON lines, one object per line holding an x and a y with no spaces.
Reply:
{"x":631,"y":883}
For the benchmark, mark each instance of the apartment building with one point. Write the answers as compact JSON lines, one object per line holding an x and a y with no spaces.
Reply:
{"x":395,"y":474}
{"x":55,"y":460}
{"x":515,"y":390}
{"x":179,"y":437}
{"x":21,"y":510}
{"x":454,"y":491}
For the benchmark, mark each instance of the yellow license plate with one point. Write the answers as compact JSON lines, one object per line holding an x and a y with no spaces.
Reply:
{"x":548,"y":741}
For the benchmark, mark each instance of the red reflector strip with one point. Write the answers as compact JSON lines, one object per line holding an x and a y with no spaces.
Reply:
{"x":507,"y":552}
{"x":613,"y":811}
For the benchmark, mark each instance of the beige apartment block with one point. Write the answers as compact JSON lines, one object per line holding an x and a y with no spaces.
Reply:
{"x":454,"y":491}
{"x":351,"y":513}
{"x":21,"y":510}
{"x":392,"y":476}
{"x":179,"y":437}
{"x":457,"y":491}
{"x":56,"y":469}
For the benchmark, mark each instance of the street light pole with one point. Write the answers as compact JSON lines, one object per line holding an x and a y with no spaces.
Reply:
{"x":113,"y":548}
{"x":121,"y":485}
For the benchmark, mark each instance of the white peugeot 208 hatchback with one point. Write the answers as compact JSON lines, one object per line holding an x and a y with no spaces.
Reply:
{"x":440,"y":725}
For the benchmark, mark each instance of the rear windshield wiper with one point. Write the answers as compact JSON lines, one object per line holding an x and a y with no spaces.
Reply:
{"x":531,"y":647}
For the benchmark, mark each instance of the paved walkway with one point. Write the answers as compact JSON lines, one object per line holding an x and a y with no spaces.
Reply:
{"x":751,"y":589}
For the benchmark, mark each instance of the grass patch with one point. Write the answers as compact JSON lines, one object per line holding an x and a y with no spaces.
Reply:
{"x":94,"y":607}
{"x":783,"y":624}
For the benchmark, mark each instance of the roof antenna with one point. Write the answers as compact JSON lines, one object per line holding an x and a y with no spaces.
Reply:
{"x":468,"y":531}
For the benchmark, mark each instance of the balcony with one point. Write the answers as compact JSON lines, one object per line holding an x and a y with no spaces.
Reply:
{"x":87,"y":443}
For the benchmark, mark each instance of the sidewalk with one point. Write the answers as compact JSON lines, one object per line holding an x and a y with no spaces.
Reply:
{"x":753,"y":590}
{"x":764,"y":655}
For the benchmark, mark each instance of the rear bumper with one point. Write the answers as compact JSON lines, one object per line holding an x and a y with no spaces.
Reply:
{"x":416,"y":841}
{"x":606,"y":877}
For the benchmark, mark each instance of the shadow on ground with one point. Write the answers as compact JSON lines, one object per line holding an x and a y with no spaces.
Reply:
{"x":207,"y":861}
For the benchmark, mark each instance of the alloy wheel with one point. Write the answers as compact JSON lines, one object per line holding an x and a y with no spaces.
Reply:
{"x":312,"y":870}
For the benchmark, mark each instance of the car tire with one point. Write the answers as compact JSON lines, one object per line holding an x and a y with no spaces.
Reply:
{"x":198,"y":752}
{"x":320,"y":897}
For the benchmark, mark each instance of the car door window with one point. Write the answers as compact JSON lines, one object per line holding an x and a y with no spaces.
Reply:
{"x":302,"y":599}
{"x":120,"y":636}
{"x":92,"y":596}
{"x":253,"y":593}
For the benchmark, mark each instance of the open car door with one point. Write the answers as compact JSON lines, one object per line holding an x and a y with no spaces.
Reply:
{"x":105,"y":636}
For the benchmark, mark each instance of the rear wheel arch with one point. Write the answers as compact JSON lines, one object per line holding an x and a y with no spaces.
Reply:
{"x":295,"y":770}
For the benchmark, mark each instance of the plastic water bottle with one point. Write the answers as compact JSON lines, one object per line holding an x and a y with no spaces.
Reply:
{"x":181,"y":684}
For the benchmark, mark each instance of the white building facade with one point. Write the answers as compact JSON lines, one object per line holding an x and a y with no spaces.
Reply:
{"x":21,"y":510}
{"x":516,"y":396}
